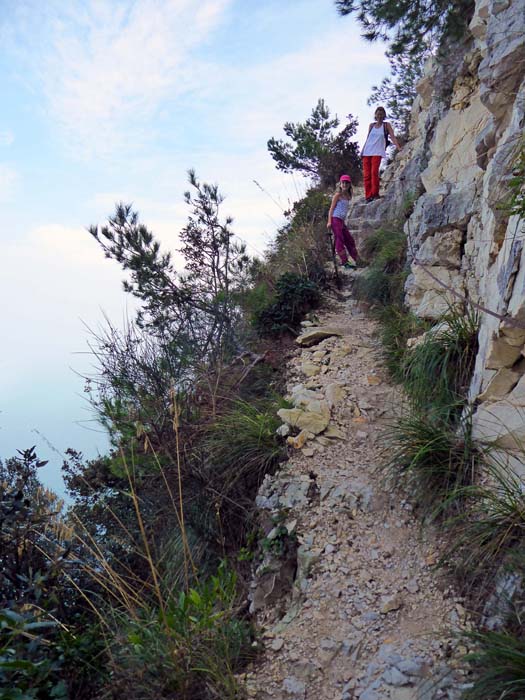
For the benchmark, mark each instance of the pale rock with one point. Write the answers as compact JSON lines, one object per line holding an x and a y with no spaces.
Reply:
{"x":334,"y":394}
{"x":391,"y":603}
{"x":404,"y":694}
{"x":309,"y":369}
{"x":433,"y":333}
{"x":319,"y":355}
{"x":304,"y":420}
{"x":512,"y":333}
{"x":392,"y":676}
{"x":277,"y":644}
{"x":427,"y":296}
{"x":442,"y":249}
{"x":294,"y":687}
{"x":299,"y":440}
{"x":315,"y":335}
{"x":283,"y":430}
{"x":332,"y":432}
{"x":501,"y":353}
{"x":308,"y":452}
{"x":319,"y":406}
{"x":502,"y":420}
{"x":503,"y":381}
{"x":412,"y":586}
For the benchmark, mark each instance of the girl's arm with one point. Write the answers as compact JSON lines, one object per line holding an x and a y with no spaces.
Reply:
{"x":332,"y":207}
{"x":392,"y":136}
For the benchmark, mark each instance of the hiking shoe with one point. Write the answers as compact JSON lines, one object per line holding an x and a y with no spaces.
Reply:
{"x":349,"y":266}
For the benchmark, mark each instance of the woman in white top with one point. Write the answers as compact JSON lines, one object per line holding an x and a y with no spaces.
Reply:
{"x":375,"y":149}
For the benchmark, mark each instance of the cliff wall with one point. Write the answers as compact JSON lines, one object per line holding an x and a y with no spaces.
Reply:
{"x":453,"y":175}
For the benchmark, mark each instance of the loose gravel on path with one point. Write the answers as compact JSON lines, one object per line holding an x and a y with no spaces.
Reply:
{"x":369,"y":617}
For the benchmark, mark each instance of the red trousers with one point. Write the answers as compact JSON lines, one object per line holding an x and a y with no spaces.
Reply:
{"x":371,"y":175}
{"x":343,"y":240}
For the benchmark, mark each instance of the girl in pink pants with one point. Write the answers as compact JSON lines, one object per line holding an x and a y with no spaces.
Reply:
{"x":336,"y":221}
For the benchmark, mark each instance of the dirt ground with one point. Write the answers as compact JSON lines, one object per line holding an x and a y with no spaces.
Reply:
{"x":369,"y":616}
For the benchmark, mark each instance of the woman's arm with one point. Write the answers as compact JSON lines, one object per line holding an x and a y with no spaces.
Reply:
{"x":335,"y":199}
{"x":392,"y":136}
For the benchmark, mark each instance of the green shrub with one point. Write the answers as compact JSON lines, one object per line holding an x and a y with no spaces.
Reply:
{"x":498,"y":663}
{"x":383,"y":281}
{"x":436,"y":459}
{"x":241,"y":447}
{"x":190,"y":649}
{"x":30,"y":662}
{"x":491,"y":527}
{"x":397,"y":326}
{"x":437,"y":372}
{"x":294,"y":296}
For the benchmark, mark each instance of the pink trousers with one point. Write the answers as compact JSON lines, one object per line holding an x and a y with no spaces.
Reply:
{"x":343,"y":240}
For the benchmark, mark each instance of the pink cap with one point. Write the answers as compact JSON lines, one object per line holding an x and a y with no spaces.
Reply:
{"x":345,"y":178}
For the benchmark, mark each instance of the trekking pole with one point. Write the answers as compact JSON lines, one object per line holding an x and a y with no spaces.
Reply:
{"x":334,"y":260}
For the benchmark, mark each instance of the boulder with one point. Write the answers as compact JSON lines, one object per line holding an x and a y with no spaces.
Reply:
{"x":315,"y":335}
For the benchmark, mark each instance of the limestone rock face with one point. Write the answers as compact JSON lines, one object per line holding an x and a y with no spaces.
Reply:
{"x":466,"y":127}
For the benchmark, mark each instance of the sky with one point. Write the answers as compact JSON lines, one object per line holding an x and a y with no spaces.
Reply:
{"x":114,"y":100}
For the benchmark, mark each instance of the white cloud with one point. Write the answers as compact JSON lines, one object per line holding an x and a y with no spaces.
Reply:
{"x":106,"y":66}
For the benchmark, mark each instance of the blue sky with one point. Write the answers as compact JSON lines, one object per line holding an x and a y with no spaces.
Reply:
{"x":107,"y":100}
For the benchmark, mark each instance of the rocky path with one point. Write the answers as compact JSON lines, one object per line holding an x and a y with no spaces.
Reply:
{"x":366,"y":616}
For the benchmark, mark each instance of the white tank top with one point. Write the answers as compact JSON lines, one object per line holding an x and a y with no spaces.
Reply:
{"x":375,"y":143}
{"x":341,"y":208}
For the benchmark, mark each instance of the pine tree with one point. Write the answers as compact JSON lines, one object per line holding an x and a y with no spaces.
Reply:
{"x":317,"y":149}
{"x":398,"y":92}
{"x":407,"y":24}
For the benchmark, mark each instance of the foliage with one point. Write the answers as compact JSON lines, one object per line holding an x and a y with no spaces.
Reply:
{"x":409,"y":24}
{"x":436,"y":459}
{"x":316,"y":149}
{"x":192,"y":313}
{"x":397,"y":325}
{"x":30,"y":667}
{"x":498,"y":662}
{"x":398,"y":92}
{"x":238,"y":449}
{"x":516,"y":202}
{"x":383,"y":281}
{"x":39,"y":581}
{"x":444,"y":362}
{"x":33,"y":542}
{"x":294,"y":296}
{"x":302,"y":245}
{"x":492,"y":525}
{"x":191,"y":648}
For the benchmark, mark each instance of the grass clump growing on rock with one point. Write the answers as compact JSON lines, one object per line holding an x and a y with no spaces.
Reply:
{"x":498,"y":662}
{"x":491,"y":528}
{"x":437,"y":371}
{"x":382,"y":282}
{"x":437,"y":459}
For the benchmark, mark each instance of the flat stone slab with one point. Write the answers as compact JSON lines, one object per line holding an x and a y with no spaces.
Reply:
{"x":316,"y":334}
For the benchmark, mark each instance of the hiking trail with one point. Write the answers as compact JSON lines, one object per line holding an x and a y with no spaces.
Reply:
{"x":366,"y":614}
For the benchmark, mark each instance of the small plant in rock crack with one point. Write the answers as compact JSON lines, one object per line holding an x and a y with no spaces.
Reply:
{"x":280,"y":539}
{"x":247,"y":552}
